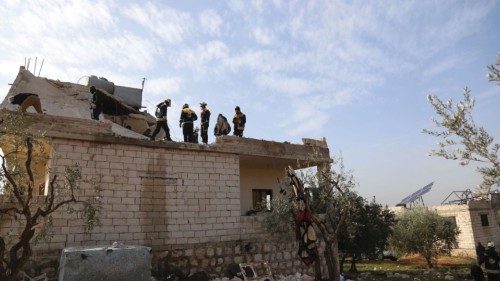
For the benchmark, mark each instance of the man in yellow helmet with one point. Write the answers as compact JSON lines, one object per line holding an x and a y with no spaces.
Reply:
{"x":205,"y":120}
{"x":239,"y":121}
{"x":188,"y":116}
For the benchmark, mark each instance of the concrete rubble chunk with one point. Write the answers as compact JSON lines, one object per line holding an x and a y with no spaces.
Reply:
{"x":115,"y":263}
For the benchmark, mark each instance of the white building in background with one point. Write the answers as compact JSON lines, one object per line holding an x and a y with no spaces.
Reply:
{"x":478,"y":221}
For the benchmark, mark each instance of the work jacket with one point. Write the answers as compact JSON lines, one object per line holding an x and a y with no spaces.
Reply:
{"x":239,"y":121}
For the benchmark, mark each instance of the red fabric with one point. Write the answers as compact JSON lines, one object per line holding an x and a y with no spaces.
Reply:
{"x":304,"y":216}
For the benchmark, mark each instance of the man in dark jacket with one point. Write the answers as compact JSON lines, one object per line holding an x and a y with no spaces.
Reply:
{"x":480,"y":250}
{"x":205,"y":120}
{"x":222,"y":127}
{"x":161,"y":120}
{"x":188,"y":116}
{"x":491,"y":263}
{"x":25,"y":100}
{"x":96,"y":104}
{"x":239,"y":121}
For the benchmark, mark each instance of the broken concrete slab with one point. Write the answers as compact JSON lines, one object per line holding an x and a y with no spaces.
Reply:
{"x":66,"y":99}
{"x":115,"y":263}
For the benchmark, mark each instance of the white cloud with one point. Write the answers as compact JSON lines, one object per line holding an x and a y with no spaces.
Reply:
{"x":237,"y":5}
{"x":163,"y":86}
{"x":210,"y":22}
{"x":169,"y":24}
{"x":443,"y":66}
{"x":289,"y":85}
{"x":199,"y":58}
{"x":262,"y":36}
{"x":158,"y":89}
{"x":258,"y":5}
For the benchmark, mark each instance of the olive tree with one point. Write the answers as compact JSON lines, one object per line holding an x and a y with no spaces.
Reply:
{"x":494,"y":70}
{"x":32,"y":215}
{"x":461,"y":139}
{"x":366,"y":232}
{"x":328,"y":197}
{"x":423,"y":231}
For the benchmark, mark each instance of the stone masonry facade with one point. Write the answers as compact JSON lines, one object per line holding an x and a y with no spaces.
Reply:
{"x":178,"y":201}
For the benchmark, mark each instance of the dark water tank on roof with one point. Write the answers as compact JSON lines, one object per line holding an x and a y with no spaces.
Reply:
{"x":101,"y":83}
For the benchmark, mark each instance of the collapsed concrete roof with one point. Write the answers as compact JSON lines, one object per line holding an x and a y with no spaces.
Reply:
{"x":68,"y":116}
{"x":72,"y":100}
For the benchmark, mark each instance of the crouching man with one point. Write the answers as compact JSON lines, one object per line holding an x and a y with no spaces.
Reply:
{"x":26,"y":100}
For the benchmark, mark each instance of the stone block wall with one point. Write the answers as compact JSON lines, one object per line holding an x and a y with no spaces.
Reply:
{"x":151,"y":196}
{"x":186,"y":202}
{"x":484,"y":234}
{"x":462,"y":217}
{"x":214,"y":258}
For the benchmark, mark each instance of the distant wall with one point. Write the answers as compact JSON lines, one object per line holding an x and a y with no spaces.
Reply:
{"x":484,"y":234}
{"x":468,"y":219}
{"x":463,"y":219}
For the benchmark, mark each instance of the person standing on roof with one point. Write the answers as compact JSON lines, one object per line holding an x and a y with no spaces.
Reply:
{"x":195,"y":135}
{"x":188,"y":116}
{"x":205,"y":120}
{"x":239,"y":121}
{"x":96,"y":104}
{"x":161,"y":120}
{"x":222,"y":127}
{"x":25,"y":100}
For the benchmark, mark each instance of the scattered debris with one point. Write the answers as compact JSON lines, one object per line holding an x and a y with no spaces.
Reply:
{"x":249,"y":273}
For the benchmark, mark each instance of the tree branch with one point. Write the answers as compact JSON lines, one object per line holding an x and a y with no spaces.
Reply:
{"x":11,"y":209}
{"x":15,"y":187}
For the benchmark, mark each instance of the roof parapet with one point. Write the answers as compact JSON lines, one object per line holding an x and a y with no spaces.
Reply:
{"x":314,"y":142}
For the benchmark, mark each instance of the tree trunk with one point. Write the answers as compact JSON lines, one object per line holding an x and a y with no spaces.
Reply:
{"x":429,"y":262}
{"x":317,"y":268}
{"x":342,"y":261}
{"x":335,"y":260}
{"x":353,"y":265}
{"x":332,"y":259}
{"x":329,"y":260}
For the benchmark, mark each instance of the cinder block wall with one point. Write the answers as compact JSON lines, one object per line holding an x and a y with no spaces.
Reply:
{"x":153,"y":196}
{"x":484,"y":234}
{"x":468,"y":218}
{"x":186,"y":202}
{"x":463,"y":219}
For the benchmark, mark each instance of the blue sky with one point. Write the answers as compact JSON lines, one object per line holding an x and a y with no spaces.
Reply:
{"x":355,"y":72}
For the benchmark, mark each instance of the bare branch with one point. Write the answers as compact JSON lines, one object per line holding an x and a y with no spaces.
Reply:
{"x":15,"y":187}
{"x":11,"y":209}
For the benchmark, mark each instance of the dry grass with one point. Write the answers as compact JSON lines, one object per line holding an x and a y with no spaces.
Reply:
{"x":415,"y":267}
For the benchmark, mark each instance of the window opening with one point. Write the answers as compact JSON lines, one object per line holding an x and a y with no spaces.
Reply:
{"x":262,"y":198}
{"x":484,"y":220}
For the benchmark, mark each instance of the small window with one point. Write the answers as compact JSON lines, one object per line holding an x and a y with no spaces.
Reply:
{"x":452,"y":220}
{"x":484,"y":220}
{"x":262,"y":197}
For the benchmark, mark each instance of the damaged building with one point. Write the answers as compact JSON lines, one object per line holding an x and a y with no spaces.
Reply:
{"x":477,"y":219}
{"x":190,"y":200}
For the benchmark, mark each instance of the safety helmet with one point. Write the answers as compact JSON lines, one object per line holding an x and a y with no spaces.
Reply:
{"x":491,"y":244}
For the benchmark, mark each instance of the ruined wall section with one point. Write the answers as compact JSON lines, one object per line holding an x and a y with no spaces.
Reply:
{"x":151,"y":196}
